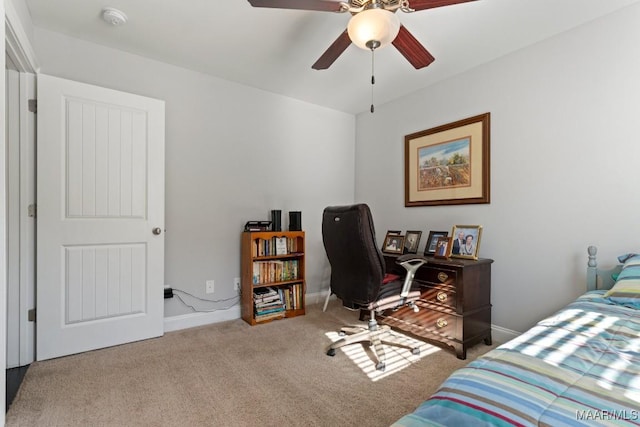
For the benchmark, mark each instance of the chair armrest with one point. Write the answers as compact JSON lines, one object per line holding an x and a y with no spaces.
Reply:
{"x":411,"y":263}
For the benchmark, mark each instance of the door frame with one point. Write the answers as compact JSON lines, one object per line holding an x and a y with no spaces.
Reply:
{"x":18,"y":48}
{"x":21,"y":224}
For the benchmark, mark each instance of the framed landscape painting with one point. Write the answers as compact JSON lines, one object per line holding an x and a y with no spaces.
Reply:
{"x":448,"y":164}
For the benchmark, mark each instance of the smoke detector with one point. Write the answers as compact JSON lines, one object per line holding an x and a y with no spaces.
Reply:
{"x":113,"y":16}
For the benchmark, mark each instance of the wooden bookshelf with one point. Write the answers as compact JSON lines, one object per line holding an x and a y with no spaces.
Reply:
{"x":272,"y":264}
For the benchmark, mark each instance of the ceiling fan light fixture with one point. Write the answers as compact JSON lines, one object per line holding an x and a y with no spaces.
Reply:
{"x":373,"y":28}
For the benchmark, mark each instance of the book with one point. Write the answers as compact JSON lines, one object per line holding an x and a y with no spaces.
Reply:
{"x":269,"y":316}
{"x":281,"y":245}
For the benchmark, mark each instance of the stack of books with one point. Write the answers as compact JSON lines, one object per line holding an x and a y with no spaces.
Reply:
{"x":267,"y":303}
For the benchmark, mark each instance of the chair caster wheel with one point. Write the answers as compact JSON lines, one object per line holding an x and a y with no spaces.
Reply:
{"x":342,"y":333}
{"x":380,"y":367}
{"x":415,"y":351}
{"x":331,"y":352}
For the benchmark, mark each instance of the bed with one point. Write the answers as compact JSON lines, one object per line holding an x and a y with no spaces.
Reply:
{"x":580,"y":366}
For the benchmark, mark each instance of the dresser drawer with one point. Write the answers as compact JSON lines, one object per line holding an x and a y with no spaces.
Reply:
{"x":438,"y":322}
{"x":439,"y":294}
{"x":438,"y":275}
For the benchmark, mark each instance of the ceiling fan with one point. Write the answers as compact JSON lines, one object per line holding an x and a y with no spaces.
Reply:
{"x":373,"y":25}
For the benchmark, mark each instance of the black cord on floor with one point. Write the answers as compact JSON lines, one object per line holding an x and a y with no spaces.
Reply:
{"x":236,"y":302}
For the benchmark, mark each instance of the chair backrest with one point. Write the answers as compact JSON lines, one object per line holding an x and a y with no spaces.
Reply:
{"x":357,"y":264}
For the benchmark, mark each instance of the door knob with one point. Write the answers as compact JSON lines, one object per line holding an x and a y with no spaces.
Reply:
{"x":157,"y":231}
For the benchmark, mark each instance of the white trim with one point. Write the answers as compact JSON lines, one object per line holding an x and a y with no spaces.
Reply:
{"x":27,"y":257}
{"x":317,"y":298}
{"x":12,"y":131}
{"x":502,"y":335}
{"x":191,"y":320}
{"x":18,"y":46}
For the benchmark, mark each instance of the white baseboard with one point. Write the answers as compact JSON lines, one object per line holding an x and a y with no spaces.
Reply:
{"x":191,"y":320}
{"x":502,"y":335}
{"x":317,"y":297}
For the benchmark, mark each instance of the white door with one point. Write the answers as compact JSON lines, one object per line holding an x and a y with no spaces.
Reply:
{"x":100,"y":198}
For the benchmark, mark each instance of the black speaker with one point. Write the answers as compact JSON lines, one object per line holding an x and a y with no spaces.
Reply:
{"x":295,"y":221}
{"x":276,"y":220}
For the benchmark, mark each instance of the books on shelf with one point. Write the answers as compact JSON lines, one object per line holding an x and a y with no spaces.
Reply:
{"x":272,"y":303}
{"x":275,"y":271}
{"x":269,"y":316}
{"x":267,"y":304}
{"x":292,"y":296}
{"x":274,"y":246}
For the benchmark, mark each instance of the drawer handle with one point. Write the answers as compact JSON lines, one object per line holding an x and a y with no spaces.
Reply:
{"x":441,"y":296}
{"x":441,"y":323}
{"x":442,"y":277}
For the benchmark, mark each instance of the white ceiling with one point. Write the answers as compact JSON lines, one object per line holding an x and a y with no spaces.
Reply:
{"x":273,"y":49}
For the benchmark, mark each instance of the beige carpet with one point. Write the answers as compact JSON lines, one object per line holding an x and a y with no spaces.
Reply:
{"x":231,"y":374}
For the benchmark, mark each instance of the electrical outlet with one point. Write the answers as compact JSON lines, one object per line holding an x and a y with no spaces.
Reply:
{"x":236,"y":283}
{"x":209,"y":286}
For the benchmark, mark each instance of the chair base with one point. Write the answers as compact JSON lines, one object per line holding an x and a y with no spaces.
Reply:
{"x":375,"y":336}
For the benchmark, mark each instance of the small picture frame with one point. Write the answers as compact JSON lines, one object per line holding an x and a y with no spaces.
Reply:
{"x":412,"y":241}
{"x":432,"y":240}
{"x":393,"y":244}
{"x":443,"y":247}
{"x":390,"y":232}
{"x":466,"y":241}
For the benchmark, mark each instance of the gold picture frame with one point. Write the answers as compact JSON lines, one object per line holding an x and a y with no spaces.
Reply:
{"x":448,"y":164}
{"x":466,"y":241}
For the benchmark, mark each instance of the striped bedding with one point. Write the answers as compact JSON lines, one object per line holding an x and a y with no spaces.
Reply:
{"x":580,"y":366}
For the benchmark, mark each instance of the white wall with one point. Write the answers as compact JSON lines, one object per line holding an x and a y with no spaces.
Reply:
{"x":564,"y":162}
{"x":233,"y":154}
{"x":562,"y":146}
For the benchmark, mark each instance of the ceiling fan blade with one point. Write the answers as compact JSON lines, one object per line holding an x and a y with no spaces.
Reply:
{"x":411,"y":49}
{"x":335,"y":50}
{"x":429,"y":4}
{"x":321,"y":5}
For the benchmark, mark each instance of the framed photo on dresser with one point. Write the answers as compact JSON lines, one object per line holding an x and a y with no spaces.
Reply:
{"x":443,"y":247}
{"x":432,"y":240}
{"x":393,"y":244}
{"x":412,"y":241}
{"x":466,"y":241}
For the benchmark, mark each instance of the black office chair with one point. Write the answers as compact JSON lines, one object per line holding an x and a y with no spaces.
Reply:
{"x":358,"y":273}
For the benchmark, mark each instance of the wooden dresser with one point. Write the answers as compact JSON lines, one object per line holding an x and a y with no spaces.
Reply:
{"x":455,"y":305}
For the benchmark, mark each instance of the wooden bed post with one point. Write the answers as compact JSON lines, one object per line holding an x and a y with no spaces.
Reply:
{"x":592,"y":268}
